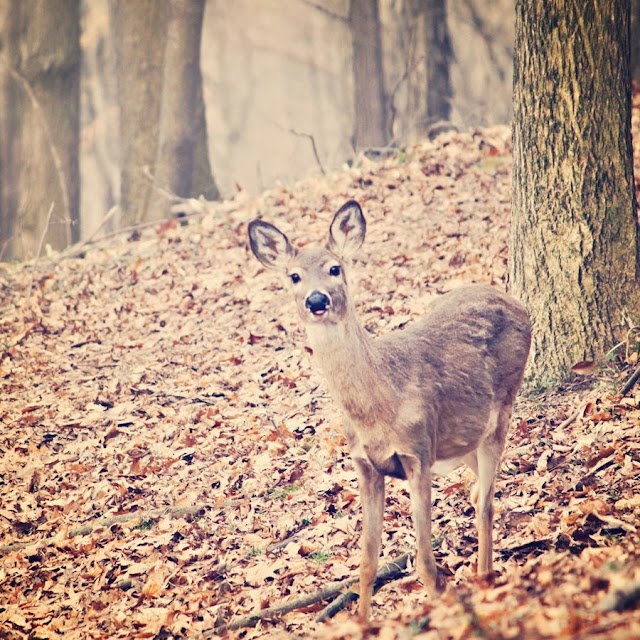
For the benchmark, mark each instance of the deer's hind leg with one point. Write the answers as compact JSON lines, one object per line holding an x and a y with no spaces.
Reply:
{"x":484,"y":462}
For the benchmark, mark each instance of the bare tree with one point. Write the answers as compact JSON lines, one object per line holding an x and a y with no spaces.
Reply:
{"x":140,"y":28}
{"x":163,"y":128}
{"x":182,"y":122}
{"x":575,"y":243}
{"x":39,"y":125}
{"x":370,"y":126}
{"x":437,"y":55}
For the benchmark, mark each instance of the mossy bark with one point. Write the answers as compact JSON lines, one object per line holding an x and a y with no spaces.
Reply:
{"x":575,"y":255}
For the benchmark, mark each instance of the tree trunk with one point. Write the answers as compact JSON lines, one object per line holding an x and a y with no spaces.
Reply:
{"x":370,"y":128}
{"x":635,"y":40}
{"x":182,"y":122}
{"x":39,"y":128}
{"x":140,"y":27}
{"x":438,"y":54}
{"x":575,"y":255}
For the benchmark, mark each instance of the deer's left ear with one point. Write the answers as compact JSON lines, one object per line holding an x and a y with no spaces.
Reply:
{"x":347,"y":230}
{"x":270,"y":245}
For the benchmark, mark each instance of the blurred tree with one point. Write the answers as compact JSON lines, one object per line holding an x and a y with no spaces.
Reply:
{"x":140,"y":29}
{"x":179,"y":169}
{"x":575,"y":251}
{"x":370,"y":125}
{"x":437,"y":56}
{"x":39,"y":125}
{"x":163,"y":128}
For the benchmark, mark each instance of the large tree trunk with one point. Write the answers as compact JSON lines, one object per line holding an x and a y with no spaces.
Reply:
{"x":438,"y":55}
{"x":575,"y":251}
{"x":370,"y":126}
{"x":635,"y":40}
{"x":39,"y":128}
{"x":140,"y":27}
{"x":182,"y":120}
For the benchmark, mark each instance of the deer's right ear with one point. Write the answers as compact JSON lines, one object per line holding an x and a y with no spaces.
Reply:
{"x":270,"y":245}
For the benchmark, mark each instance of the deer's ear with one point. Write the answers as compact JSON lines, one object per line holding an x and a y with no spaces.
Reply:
{"x":347,"y":230}
{"x":270,"y":245}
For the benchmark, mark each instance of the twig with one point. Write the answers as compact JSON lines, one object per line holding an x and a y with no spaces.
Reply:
{"x":76,"y":249}
{"x":324,"y":10}
{"x":571,"y":418}
{"x":337,"y":605}
{"x":44,"y":232}
{"x":313,"y":146}
{"x":103,"y":222}
{"x":630,"y":382}
{"x":280,"y":434}
{"x":156,"y":514}
{"x":388,"y":572}
{"x":40,"y":243}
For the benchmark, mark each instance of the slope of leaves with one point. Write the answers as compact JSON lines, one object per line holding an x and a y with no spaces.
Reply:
{"x":170,"y":460}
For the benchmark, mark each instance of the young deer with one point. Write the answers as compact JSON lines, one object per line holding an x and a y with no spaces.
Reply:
{"x":416,"y":402}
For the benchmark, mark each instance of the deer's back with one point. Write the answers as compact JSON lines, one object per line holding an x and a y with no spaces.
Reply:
{"x":465,"y":358}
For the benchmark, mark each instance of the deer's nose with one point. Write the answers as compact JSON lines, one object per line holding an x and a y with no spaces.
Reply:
{"x":317,"y":302}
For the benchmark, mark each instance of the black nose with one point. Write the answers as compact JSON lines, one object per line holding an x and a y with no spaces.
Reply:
{"x":317,"y":302}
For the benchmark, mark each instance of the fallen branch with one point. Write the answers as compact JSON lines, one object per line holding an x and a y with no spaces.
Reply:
{"x":391,"y":571}
{"x":156,"y":514}
{"x":630,"y":382}
{"x":388,"y":572}
{"x":578,"y":410}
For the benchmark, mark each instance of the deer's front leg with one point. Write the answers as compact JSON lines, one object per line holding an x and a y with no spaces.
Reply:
{"x":372,"y":498}
{"x":419,"y":479}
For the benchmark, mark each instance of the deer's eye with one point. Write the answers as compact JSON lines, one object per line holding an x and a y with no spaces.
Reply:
{"x":295,"y":278}
{"x":335,"y":270}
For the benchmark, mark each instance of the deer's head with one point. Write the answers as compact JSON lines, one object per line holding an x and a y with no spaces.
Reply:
{"x":316,"y":275}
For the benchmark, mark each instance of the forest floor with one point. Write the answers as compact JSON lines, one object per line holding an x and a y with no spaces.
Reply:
{"x":170,"y":461}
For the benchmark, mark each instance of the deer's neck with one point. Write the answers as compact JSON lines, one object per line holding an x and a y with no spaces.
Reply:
{"x":349,"y":360}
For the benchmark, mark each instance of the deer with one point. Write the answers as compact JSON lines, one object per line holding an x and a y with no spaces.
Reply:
{"x":416,"y":402}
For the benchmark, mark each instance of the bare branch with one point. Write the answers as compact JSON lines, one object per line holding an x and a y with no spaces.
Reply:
{"x":630,"y":382}
{"x":156,"y":514}
{"x":313,"y":147}
{"x":390,"y":571}
{"x":327,"y":12}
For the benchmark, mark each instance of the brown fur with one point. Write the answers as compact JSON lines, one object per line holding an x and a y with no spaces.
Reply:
{"x":415,"y":401}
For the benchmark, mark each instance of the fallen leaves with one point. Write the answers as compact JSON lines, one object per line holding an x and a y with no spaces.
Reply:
{"x":170,"y":460}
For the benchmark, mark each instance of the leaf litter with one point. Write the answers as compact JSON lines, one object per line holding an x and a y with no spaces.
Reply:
{"x":170,"y":460}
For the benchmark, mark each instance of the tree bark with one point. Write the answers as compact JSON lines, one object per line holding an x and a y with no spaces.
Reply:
{"x":575,"y":255}
{"x":438,"y":54}
{"x":182,"y":122}
{"x":140,"y":27}
{"x":39,"y":128}
{"x":635,"y":40}
{"x":370,"y":125}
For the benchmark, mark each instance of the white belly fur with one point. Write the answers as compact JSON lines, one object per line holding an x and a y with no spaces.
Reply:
{"x":444,"y":467}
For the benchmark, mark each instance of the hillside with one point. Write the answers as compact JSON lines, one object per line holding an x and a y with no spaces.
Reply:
{"x":171,"y":462}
